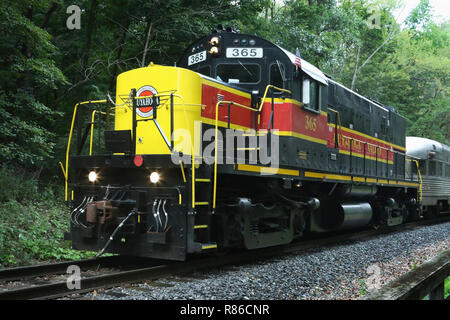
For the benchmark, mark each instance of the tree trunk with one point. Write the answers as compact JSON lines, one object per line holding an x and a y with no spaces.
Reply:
{"x":149,"y":30}
{"x":120,"y":44}
{"x":90,"y":31}
{"x":48,"y":14}
{"x":356,"y":69}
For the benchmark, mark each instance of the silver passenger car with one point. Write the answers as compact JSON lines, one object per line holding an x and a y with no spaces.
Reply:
{"x":434,"y":164}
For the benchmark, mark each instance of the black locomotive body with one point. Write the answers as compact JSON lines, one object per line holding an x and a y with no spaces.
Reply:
{"x":244,"y":145}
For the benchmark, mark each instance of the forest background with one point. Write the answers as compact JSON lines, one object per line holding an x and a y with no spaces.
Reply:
{"x":46,"y":67}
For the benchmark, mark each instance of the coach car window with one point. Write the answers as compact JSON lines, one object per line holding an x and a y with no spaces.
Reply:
{"x":238,"y":73}
{"x":432,"y":167}
{"x":439,"y":170}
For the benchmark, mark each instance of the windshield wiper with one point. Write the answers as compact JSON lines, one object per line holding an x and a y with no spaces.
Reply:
{"x":281,"y":71}
{"x":245,"y":68}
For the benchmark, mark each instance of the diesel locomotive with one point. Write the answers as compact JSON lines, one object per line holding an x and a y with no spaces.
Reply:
{"x":241,"y":144}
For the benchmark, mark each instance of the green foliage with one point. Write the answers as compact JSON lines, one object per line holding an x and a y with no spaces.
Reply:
{"x":447,"y":288}
{"x":32,"y":222}
{"x":362,"y":287}
{"x":27,"y":65}
{"x":46,"y":68}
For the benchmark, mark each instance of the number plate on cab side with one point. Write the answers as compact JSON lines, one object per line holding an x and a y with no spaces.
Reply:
{"x":196,"y":58}
{"x":244,"y":52}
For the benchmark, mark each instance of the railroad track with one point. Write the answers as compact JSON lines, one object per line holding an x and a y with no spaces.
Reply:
{"x":133,"y":270}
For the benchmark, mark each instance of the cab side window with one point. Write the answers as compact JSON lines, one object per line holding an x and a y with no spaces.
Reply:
{"x":276,"y":76}
{"x":311,"y":96}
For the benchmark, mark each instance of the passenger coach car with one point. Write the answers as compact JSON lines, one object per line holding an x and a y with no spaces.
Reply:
{"x":242,"y":144}
{"x":434,"y":170}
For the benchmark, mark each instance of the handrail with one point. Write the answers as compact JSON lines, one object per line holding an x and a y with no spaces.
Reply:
{"x":419,"y":190}
{"x":258,"y":110}
{"x":66,"y":169}
{"x":92,"y":129}
{"x":216,"y":141}
{"x":265,"y":94}
{"x":340,"y":126}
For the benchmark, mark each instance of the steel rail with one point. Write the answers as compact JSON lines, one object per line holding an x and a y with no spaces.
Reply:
{"x":33,"y":271}
{"x":60,"y":289}
{"x":17,"y":273}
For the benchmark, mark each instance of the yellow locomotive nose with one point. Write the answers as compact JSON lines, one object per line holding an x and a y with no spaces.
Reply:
{"x":155,"y":125}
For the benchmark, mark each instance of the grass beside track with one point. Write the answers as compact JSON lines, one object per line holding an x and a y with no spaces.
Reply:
{"x":33,"y":219}
{"x":447,"y":288}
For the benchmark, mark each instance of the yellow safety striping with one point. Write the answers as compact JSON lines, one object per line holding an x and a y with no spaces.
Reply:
{"x":224,"y":124}
{"x":212,"y":246}
{"x":321,"y":175}
{"x":201,"y":226}
{"x":269,"y":170}
{"x":410,"y":184}
{"x":369,"y":137}
{"x":361,"y":155}
{"x":254,"y":135}
{"x":201,"y":203}
{"x":301,"y":136}
{"x":226,"y":88}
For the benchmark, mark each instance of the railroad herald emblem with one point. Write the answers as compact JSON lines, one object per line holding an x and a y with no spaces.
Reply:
{"x":145,"y":106}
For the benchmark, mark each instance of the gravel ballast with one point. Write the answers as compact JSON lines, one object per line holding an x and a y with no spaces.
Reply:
{"x":343,"y":271}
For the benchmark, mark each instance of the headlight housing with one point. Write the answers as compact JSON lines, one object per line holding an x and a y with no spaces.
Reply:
{"x":154,"y":177}
{"x":92,"y":176}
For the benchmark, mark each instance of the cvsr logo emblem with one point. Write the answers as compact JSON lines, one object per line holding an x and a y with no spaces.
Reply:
{"x":145,"y":106}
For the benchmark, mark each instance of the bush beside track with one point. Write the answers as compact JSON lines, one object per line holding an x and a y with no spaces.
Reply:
{"x":33,"y":219}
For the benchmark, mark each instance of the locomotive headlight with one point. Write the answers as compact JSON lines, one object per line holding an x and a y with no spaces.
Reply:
{"x":92,"y":176}
{"x":214,"y":50}
{"x":214,"y":41}
{"x":154,"y":177}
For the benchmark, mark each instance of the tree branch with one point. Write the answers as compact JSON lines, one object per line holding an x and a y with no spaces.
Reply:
{"x":149,"y":30}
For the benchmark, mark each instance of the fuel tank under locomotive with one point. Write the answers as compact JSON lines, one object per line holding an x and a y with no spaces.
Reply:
{"x":345,"y":207}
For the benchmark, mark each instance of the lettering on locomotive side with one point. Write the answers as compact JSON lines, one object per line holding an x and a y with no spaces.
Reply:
{"x":311,"y":123}
{"x":358,"y":146}
{"x":146,"y":102}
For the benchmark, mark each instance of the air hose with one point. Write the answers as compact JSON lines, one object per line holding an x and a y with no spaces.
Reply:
{"x":111,"y":238}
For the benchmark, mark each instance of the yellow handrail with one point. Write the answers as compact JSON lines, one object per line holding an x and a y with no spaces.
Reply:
{"x":216,"y":141}
{"x":193,"y":176}
{"x":217,"y":129}
{"x":66,"y":169}
{"x":419,"y":191}
{"x":339,"y":122}
{"x":265,"y":94}
{"x":264,"y":98}
{"x":92,"y":129}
